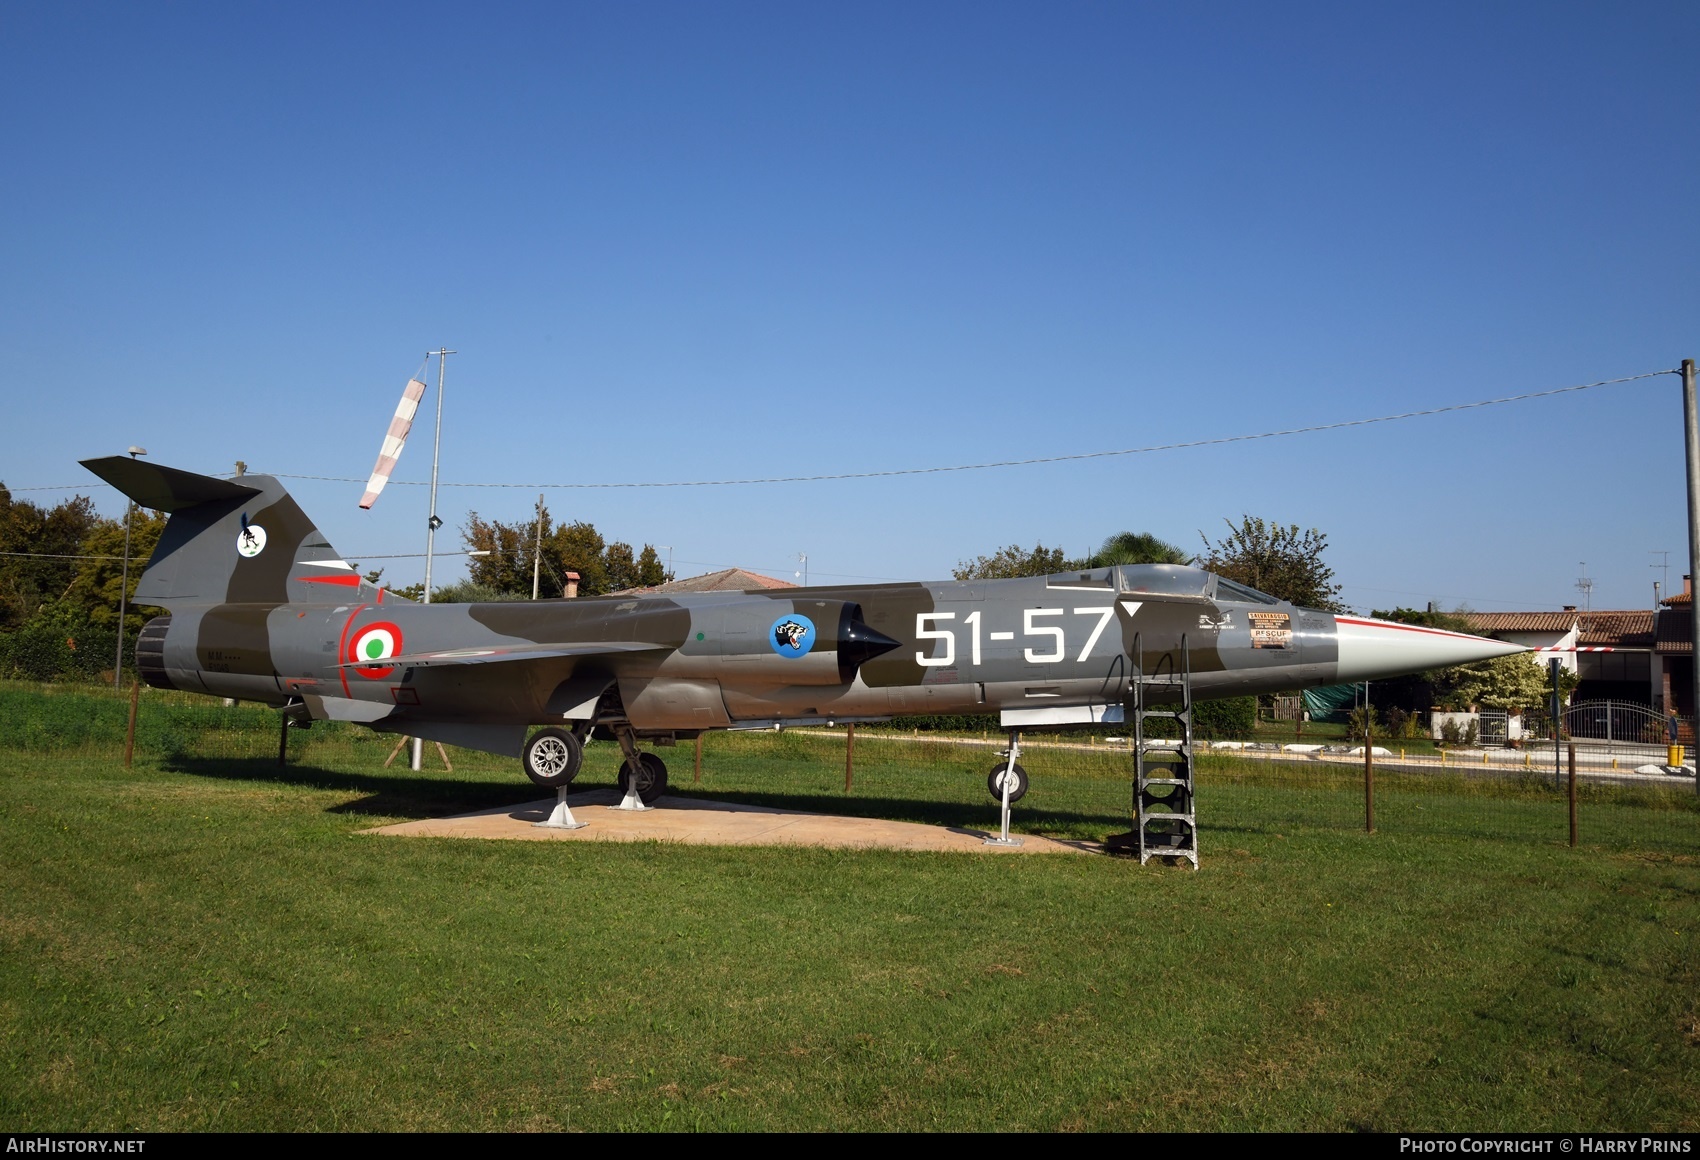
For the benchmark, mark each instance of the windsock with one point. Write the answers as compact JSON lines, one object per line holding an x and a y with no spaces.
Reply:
{"x":394,"y":441}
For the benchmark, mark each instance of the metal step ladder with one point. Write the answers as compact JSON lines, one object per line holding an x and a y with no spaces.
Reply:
{"x":1164,"y":822}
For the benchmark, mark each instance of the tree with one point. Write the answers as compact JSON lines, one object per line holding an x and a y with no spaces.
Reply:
{"x":1510,"y":683}
{"x":1135,"y":548}
{"x":1282,"y":561}
{"x":59,"y":586}
{"x":1008,"y":563}
{"x":43,"y":543}
{"x":98,"y":580}
{"x":1427,"y":618}
{"x":576,"y":547}
{"x":472,"y":592}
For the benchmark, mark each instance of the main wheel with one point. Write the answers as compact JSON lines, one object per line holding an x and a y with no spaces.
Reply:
{"x":552,"y":758}
{"x":652,"y":778}
{"x":1017,"y":784}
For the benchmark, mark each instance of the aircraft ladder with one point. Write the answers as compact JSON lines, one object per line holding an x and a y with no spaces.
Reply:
{"x":1165,"y":824}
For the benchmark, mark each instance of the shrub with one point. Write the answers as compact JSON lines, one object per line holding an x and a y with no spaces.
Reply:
{"x":1230,"y":719}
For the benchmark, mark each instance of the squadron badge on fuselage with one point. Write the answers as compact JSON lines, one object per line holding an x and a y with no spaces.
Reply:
{"x":792,"y":635}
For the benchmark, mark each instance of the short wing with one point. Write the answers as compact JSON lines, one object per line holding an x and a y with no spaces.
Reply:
{"x":497,"y":653}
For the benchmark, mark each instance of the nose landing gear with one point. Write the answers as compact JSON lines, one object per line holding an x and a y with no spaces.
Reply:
{"x":1008,"y":783}
{"x":1017,"y":782}
{"x":643,"y":776}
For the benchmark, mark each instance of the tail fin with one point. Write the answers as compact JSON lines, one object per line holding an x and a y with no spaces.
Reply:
{"x":228,"y":542}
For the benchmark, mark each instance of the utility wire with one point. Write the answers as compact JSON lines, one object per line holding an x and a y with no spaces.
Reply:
{"x":1220,"y":440}
{"x":1181,"y":446}
{"x":59,"y":556}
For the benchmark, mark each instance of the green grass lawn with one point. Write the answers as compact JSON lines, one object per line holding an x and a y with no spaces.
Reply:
{"x":207,"y":941}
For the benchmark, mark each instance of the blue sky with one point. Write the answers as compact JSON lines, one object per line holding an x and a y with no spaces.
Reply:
{"x":687,"y":241}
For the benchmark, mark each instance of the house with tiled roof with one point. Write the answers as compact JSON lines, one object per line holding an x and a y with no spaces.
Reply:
{"x":1611,"y":651}
{"x":1673,"y":647}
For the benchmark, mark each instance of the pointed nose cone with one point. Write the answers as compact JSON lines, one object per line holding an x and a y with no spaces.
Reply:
{"x":1373,"y":649}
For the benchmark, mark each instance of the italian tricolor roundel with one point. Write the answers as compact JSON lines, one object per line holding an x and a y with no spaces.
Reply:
{"x":373,"y":643}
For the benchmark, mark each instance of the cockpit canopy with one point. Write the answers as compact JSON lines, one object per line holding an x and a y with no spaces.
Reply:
{"x":1184,"y":580}
{"x":1180,"y":580}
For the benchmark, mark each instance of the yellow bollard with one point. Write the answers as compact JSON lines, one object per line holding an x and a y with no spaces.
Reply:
{"x":1675,"y":755}
{"x":1614,"y":763}
{"x":1484,"y":757}
{"x":1525,"y":759}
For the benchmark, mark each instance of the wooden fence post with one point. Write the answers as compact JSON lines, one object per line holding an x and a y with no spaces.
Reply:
{"x":1369,"y":782}
{"x":130,"y":729}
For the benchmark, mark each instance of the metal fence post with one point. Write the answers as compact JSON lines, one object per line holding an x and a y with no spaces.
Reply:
{"x":1573,"y":795}
{"x":849,"y":754}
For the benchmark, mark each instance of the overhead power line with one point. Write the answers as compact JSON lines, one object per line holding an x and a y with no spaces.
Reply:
{"x":1075,"y":457}
{"x":59,"y":556}
{"x":1181,"y":446}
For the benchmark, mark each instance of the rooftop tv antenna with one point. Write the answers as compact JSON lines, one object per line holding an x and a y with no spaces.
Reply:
{"x":1585,"y":586}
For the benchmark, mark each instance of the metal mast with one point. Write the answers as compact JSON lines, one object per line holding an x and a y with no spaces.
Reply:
{"x":432,"y":524}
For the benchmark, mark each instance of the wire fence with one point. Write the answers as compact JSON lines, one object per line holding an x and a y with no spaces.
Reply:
{"x":1623,"y":801}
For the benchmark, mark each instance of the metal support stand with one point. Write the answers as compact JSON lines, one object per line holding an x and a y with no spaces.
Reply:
{"x":1164,"y":821}
{"x":1012,"y":756}
{"x":634,"y":769}
{"x":562,"y":817}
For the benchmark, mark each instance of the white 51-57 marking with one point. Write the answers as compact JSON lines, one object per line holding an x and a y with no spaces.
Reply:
{"x":925,"y":630}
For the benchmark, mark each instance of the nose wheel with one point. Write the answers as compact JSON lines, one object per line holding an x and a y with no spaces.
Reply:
{"x":643,"y":776}
{"x":1007,"y":782}
{"x":1017,"y":781}
{"x":651,"y":781}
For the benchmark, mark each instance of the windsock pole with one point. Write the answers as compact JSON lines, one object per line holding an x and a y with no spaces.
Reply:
{"x":1691,"y":440}
{"x":433,"y":523}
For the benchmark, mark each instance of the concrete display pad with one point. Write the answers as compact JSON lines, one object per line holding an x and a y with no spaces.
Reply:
{"x":694,"y":821}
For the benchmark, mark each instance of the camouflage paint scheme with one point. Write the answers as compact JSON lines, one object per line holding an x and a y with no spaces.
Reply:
{"x":291,"y":624}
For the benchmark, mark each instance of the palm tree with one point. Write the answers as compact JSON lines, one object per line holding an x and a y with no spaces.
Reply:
{"x":1136,"y":548}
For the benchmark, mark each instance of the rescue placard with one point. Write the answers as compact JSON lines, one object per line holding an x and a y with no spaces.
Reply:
{"x":1271,"y":630}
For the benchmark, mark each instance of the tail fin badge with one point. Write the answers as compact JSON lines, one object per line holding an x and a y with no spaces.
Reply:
{"x":251,"y":540}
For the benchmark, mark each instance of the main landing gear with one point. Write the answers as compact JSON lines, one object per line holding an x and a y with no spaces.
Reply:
{"x":552,"y":757}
